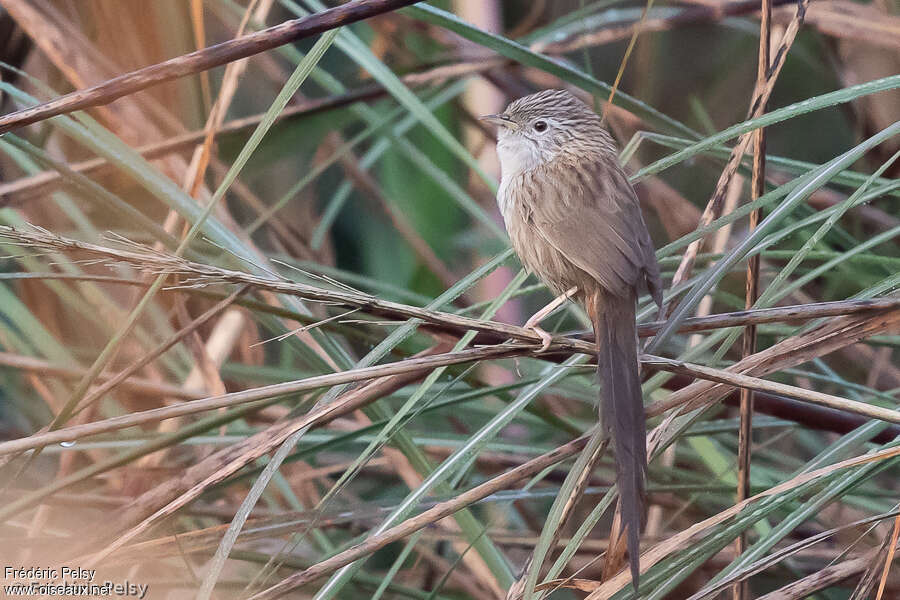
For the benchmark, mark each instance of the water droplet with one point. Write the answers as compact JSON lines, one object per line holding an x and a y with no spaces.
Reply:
{"x":67,"y":444}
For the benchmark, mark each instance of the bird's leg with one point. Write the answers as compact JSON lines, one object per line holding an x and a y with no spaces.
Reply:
{"x":532,"y":322}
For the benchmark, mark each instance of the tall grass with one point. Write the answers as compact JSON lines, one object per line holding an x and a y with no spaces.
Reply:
{"x":259,"y":323}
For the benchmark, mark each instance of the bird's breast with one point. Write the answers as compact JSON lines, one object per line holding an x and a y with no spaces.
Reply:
{"x":516,"y":198}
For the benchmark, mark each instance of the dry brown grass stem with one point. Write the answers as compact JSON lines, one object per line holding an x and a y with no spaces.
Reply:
{"x":889,"y":559}
{"x":201,"y":60}
{"x":153,"y":354}
{"x":410,"y":365}
{"x":227,"y":461}
{"x":708,"y":376}
{"x":760,"y":98}
{"x":682,"y":539}
{"x":688,"y":16}
{"x":821,"y":579}
{"x":175,"y":493}
{"x":149,"y":387}
{"x":444,"y":509}
{"x":432,"y":515}
{"x":818,"y":341}
{"x":40,"y":184}
{"x":197,"y":275}
{"x":754,"y":383}
{"x":751,"y":291}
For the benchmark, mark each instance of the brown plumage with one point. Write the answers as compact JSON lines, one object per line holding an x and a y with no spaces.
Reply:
{"x":574,"y":220}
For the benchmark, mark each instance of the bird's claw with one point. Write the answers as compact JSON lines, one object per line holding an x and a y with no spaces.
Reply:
{"x":546,"y":338}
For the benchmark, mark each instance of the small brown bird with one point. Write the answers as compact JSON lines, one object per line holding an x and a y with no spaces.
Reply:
{"x":574,"y":220}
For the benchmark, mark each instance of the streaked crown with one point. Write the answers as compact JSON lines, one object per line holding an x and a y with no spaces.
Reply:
{"x":559,"y":105}
{"x":542,"y":127}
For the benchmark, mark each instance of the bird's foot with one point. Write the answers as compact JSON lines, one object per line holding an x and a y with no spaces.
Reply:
{"x":532,"y":323}
{"x":546,"y":338}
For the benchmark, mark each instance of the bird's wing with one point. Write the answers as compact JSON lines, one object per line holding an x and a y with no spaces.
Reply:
{"x":589,"y":212}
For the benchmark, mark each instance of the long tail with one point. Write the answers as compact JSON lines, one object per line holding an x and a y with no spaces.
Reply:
{"x":623,"y":409}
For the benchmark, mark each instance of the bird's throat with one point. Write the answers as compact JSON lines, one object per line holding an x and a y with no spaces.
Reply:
{"x":516,"y":157}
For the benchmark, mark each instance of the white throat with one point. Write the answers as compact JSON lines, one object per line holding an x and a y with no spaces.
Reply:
{"x":516,"y":157}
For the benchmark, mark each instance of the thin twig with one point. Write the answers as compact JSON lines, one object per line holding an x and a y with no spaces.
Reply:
{"x":822,"y":578}
{"x":686,"y":16}
{"x":432,"y":515}
{"x":755,"y":383}
{"x":262,"y":393}
{"x":638,"y":27}
{"x":134,"y":384}
{"x":226,"y":461}
{"x":201,"y":60}
{"x":707,"y":374}
{"x":748,"y":347}
{"x":760,"y":98}
{"x":46,"y":181}
{"x":366,"y":183}
{"x":781,"y":554}
{"x":150,"y":356}
{"x":201,"y":275}
{"x":818,"y":341}
{"x":113,"y":382}
{"x":778,"y":314}
{"x":889,"y":559}
{"x":681,"y":539}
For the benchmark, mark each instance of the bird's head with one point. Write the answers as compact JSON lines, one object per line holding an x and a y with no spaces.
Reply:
{"x":536,"y":129}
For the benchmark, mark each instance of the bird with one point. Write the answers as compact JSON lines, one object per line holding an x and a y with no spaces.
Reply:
{"x":574,"y":220}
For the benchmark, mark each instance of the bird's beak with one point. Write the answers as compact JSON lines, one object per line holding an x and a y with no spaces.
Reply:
{"x":499,"y":120}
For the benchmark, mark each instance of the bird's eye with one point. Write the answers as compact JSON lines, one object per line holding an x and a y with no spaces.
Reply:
{"x":540,"y":126}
